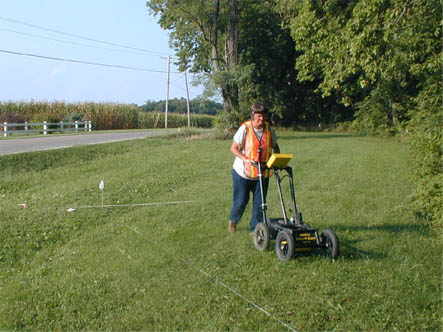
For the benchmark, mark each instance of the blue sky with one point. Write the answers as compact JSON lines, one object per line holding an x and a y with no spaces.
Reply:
{"x":27,"y":27}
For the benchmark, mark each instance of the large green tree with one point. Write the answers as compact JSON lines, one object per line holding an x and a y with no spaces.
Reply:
{"x":248,"y":55}
{"x":383,"y":57}
{"x":267,"y":55}
{"x":204,"y":34}
{"x":360,"y":50}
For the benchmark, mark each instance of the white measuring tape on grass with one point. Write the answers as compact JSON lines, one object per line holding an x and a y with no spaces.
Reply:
{"x":101,"y":186}
{"x":208,"y":275}
{"x":126,"y":205}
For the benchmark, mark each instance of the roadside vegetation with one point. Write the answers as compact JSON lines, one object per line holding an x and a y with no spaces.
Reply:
{"x":104,"y":116}
{"x":160,"y":267}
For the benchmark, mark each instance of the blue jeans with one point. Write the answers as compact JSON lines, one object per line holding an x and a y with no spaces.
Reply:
{"x":242,"y":188}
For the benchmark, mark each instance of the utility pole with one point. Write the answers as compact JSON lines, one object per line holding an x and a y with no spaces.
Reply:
{"x":167,"y":93}
{"x":187,"y":100}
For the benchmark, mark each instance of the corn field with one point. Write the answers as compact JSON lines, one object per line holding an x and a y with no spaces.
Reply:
{"x":103,"y":115}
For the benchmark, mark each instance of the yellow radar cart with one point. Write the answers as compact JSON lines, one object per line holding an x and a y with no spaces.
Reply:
{"x":291,"y":234}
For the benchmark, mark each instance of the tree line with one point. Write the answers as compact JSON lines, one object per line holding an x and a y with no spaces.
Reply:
{"x":179,"y":105}
{"x":376,"y":63}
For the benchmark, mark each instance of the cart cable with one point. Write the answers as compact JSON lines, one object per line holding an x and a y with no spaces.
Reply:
{"x":209,"y":276}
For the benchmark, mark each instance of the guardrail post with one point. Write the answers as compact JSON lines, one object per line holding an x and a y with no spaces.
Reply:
{"x":45,"y":128}
{"x":5,"y":129}
{"x":26,"y":128}
{"x":76,"y":126}
{"x":61,"y":126}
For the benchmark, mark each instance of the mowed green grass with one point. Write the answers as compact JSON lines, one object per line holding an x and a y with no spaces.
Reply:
{"x":176,"y":268}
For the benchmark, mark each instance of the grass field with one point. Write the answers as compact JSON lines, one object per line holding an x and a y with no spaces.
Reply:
{"x":176,"y":268}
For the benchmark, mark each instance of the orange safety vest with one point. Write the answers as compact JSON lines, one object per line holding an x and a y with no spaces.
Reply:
{"x":251,"y":145}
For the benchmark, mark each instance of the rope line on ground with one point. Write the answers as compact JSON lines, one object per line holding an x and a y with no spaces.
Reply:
{"x":209,"y":276}
{"x":129,"y":205}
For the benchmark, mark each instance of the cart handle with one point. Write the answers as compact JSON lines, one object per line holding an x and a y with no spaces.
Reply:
{"x":263,"y":166}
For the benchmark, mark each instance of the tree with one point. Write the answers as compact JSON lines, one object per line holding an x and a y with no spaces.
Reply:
{"x":383,"y":57}
{"x":267,"y":58}
{"x":353,"y":48}
{"x":197,"y":105}
{"x":204,"y":34}
{"x":249,"y":55}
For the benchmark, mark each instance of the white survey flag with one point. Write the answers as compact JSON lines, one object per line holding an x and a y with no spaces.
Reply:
{"x":101,"y":186}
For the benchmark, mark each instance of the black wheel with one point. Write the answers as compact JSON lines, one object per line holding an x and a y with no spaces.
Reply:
{"x":330,"y":243}
{"x":284,"y":245}
{"x":261,"y":237}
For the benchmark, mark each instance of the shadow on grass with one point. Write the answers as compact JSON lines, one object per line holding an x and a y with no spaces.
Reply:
{"x":349,"y":252}
{"x":348,"y":248}
{"x":392,"y":228}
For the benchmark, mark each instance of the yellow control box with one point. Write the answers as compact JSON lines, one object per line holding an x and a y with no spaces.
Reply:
{"x":279,"y":160}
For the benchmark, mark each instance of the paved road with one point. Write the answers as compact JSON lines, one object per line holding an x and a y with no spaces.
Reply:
{"x":57,"y":142}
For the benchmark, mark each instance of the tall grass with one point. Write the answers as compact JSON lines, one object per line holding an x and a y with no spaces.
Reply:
{"x":103,"y":115}
{"x":162,"y":267}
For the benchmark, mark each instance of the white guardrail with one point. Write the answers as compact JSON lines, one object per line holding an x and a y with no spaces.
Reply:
{"x":45,"y":127}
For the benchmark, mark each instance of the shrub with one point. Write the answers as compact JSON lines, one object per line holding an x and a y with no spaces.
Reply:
{"x":372,"y":121}
{"x":72,"y":117}
{"x":227,"y":123}
{"x":12,"y":118}
{"x":426,"y":151}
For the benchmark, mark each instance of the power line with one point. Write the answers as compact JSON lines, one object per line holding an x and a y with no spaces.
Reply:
{"x":78,"y":36}
{"x":66,"y":42}
{"x":83,"y":62}
{"x":179,"y":87}
{"x":89,"y":63}
{"x":178,"y":78}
